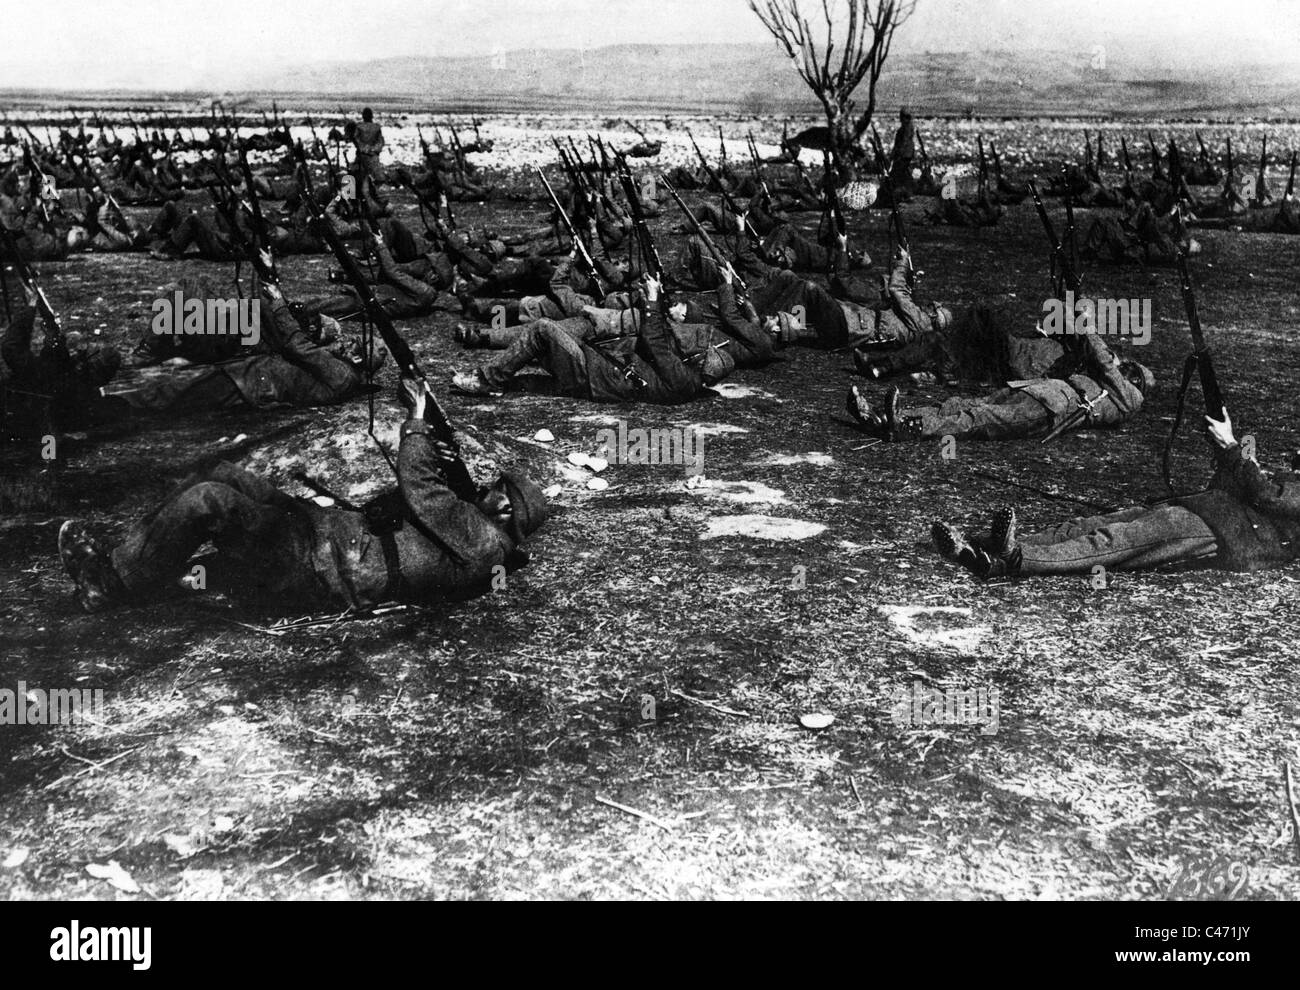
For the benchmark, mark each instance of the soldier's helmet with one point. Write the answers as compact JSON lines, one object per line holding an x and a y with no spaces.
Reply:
{"x":942,"y":317}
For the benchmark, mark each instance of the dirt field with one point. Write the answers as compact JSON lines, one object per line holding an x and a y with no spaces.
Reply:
{"x":472,"y":750}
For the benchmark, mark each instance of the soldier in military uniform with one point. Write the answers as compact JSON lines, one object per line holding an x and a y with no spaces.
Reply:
{"x":445,"y":538}
{"x":1109,"y":391}
{"x":1246,"y":521}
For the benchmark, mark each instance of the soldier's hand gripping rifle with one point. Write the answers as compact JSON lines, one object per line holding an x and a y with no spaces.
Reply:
{"x":722,"y":143}
{"x":883,"y":164}
{"x":261,"y":230}
{"x":27,"y":276}
{"x":900,"y":235}
{"x":39,"y":182}
{"x":644,"y":239}
{"x":1071,"y":234}
{"x":1066,"y":281}
{"x":575,"y":179}
{"x":756,"y":163}
{"x":925,"y":157}
{"x":458,"y":476}
{"x":435,"y":176}
{"x":318,"y":149}
{"x":1199,"y":362}
{"x":260,"y":258}
{"x":1065,"y":277}
{"x":36,"y":142}
{"x":1205,"y":152}
{"x":95,"y":183}
{"x":1156,"y":166}
{"x":588,"y":262}
{"x":434,"y":235}
{"x":708,"y":169}
{"x":424,"y":147}
{"x":831,"y":195}
{"x":598,"y":155}
{"x":718,"y":257}
{"x":457,"y":150}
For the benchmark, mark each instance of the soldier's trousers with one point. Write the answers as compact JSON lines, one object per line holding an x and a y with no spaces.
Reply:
{"x":823,"y":317}
{"x":194,"y":231}
{"x":706,"y":274}
{"x":601,"y":325}
{"x":257,"y":532}
{"x":1132,"y":539}
{"x":544,"y":343}
{"x":521,"y":276}
{"x":1007,"y":414}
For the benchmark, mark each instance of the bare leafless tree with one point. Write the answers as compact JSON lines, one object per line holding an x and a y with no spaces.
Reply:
{"x":835,"y":70}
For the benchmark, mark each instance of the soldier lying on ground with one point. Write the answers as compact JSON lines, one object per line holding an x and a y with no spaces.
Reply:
{"x":990,"y":340}
{"x":1284,"y":220}
{"x":287,"y":370}
{"x":1244,"y":522}
{"x":894,"y":318}
{"x":1110,"y":389}
{"x":981,"y":212}
{"x":566,"y":292}
{"x":845,"y":314}
{"x":65,"y":375}
{"x":434,"y":543}
{"x":652,"y":365}
{"x":739,"y":334}
{"x":1158,"y":239}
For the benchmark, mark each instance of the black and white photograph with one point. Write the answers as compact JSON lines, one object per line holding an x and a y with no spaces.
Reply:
{"x":651,"y":451}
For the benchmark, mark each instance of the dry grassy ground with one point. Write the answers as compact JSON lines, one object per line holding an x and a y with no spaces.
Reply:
{"x":461,"y":751}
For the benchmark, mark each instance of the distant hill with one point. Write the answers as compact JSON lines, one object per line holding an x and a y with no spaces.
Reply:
{"x":759,"y":79}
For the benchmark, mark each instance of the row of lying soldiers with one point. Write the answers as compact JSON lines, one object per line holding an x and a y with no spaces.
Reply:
{"x":587,"y":298}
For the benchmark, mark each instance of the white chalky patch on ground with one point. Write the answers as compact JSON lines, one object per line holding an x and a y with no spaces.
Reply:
{"x":814,"y":457}
{"x":716,"y":429}
{"x":908,"y":620}
{"x":598,"y":418}
{"x":745,"y":492}
{"x":731,"y":391}
{"x":762,"y":528}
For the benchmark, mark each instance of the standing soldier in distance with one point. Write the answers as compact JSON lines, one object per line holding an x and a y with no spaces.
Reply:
{"x":368,"y":137}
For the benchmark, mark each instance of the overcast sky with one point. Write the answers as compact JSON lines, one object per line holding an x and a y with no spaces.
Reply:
{"x":171,"y":44}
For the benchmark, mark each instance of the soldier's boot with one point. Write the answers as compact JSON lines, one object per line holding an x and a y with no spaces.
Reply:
{"x":987,"y":566}
{"x":867,"y":367}
{"x":950,"y":541}
{"x":872,"y":422}
{"x":1002,"y":532}
{"x":90,"y":567}
{"x":890,"y":412}
{"x":469,"y":337}
{"x":473,"y":383}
